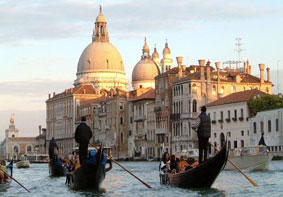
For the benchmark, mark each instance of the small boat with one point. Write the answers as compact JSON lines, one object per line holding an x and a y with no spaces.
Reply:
{"x":92,"y":172}
{"x":38,"y":158}
{"x":201,"y":176}
{"x":6,"y":185}
{"x":256,"y":158}
{"x":56,"y":168}
{"x":150,"y":158}
{"x":23,"y":163}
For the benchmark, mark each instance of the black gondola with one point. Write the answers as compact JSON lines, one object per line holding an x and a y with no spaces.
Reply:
{"x":201,"y":176}
{"x":56,"y":168}
{"x":92,"y":173}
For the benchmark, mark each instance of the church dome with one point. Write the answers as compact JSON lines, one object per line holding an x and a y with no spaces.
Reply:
{"x":155,"y":54}
{"x":144,"y":70}
{"x":100,"y":56}
{"x":166,"y":50}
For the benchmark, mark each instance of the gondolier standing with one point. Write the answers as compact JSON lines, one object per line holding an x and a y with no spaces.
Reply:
{"x":52,"y":146}
{"x":203,"y":128}
{"x":82,"y":136}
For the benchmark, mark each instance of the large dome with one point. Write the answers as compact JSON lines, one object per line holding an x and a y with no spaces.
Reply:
{"x":144,"y":70}
{"x":100,"y":56}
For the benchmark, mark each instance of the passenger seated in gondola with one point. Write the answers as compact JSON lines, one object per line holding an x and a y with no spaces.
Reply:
{"x":70,"y":168}
{"x":192,"y":163}
{"x":165,"y":163}
{"x":173,"y":164}
{"x":3,"y":176}
{"x":182,"y":165}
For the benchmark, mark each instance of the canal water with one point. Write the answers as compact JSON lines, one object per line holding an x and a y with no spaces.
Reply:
{"x":120,"y":183}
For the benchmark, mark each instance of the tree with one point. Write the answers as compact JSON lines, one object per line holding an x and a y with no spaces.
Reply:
{"x":265,"y":103}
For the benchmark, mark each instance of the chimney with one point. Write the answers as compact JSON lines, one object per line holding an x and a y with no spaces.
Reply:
{"x":39,"y":129}
{"x":54,"y":94}
{"x":179,"y":62}
{"x":217,"y":64}
{"x":261,"y":68}
{"x":184,"y":69}
{"x":72,"y":90}
{"x":250,"y":70}
{"x":49,"y":96}
{"x":268,"y":74}
{"x":245,"y":67}
{"x":201,"y":64}
{"x":208,"y":71}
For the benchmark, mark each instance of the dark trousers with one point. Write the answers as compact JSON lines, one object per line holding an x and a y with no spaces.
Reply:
{"x":203,"y":146}
{"x":51,"y":153}
{"x":83,"y":150}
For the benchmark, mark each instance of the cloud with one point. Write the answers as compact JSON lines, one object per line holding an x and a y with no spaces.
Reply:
{"x":21,"y":21}
{"x":30,"y":94}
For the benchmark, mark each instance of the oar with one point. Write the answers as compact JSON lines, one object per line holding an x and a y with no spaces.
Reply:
{"x":233,"y":164}
{"x":148,"y":186}
{"x":14,"y":179}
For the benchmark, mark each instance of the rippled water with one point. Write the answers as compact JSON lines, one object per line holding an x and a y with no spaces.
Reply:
{"x":119,"y":183}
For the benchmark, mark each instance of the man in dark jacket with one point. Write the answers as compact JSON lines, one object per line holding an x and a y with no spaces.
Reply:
{"x":203,"y":128}
{"x":82,"y":136}
{"x":52,"y":146}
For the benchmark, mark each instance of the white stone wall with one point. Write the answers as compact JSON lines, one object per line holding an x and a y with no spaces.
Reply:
{"x":273,"y":137}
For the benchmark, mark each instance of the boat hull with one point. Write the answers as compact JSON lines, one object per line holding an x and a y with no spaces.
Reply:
{"x":56,"y":170}
{"x":250,"y":162}
{"x":23,"y":164}
{"x":202,"y":176}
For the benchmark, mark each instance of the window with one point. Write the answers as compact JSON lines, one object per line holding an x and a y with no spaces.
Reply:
{"x":16,"y":149}
{"x":194,"y":88}
{"x":194,"y":106}
{"x":214,"y":90}
{"x":244,"y":88}
{"x":221,"y":116}
{"x":229,"y":134}
{"x":276,"y":124}
{"x":254,"y":127}
{"x":215,"y":135}
{"x":242,"y":113}
{"x":229,"y":144}
{"x":235,"y":144}
{"x":242,"y":133}
{"x":121,"y":120}
{"x":229,"y":114}
{"x":121,"y":105}
{"x":269,"y":125}
{"x":222,"y":90}
{"x":233,"y":88}
{"x":130,"y":132}
{"x":267,"y":90}
{"x":242,"y":143}
{"x":28,"y":148}
{"x":235,"y":114}
{"x":262,"y":127}
{"x":214,"y":115}
{"x":122,"y":137}
{"x":131,"y":119}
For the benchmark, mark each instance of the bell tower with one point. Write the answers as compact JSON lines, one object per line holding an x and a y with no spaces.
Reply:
{"x":100,"y":33}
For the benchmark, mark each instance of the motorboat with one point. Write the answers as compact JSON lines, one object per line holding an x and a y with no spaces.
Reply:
{"x":23,"y":163}
{"x":255,"y":158}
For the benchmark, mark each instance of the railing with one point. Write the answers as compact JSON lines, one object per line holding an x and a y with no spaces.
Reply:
{"x":180,"y":138}
{"x":175,"y":116}
{"x":186,"y":115}
{"x":139,"y":118}
{"x":159,"y":131}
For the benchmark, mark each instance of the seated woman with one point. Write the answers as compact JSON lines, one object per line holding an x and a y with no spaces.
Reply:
{"x":182,"y":165}
{"x":165,"y":163}
{"x":192,"y":163}
{"x":173,"y":164}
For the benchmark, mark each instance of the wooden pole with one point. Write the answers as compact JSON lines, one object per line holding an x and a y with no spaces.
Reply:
{"x":14,"y":179}
{"x":235,"y":166}
{"x":148,"y":186}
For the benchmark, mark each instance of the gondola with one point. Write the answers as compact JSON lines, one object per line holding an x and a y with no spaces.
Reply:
{"x":201,"y":176}
{"x":56,"y":168}
{"x":6,"y":185}
{"x":92,"y":172}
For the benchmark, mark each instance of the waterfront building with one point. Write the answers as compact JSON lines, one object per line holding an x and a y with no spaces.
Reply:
{"x":270,"y":124}
{"x":100,"y":68}
{"x":13,"y":146}
{"x":204,"y":84}
{"x":40,"y":146}
{"x":230,"y":117}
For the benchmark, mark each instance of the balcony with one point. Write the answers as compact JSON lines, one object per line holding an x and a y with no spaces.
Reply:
{"x":140,"y":137}
{"x":106,"y":127}
{"x":157,"y":109}
{"x":175,"y":116}
{"x":139,"y":118}
{"x":159,"y":131}
{"x":102,"y":114}
{"x":180,"y":138}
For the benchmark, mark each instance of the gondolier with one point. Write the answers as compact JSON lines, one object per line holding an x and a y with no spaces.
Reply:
{"x":52,"y":146}
{"x":203,"y":128}
{"x":82,"y":136}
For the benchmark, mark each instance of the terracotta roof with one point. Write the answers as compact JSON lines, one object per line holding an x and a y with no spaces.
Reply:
{"x":237,"y":97}
{"x":147,"y":95}
{"x":93,"y":101}
{"x":171,"y":71}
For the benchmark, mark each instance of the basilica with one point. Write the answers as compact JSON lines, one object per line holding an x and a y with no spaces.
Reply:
{"x":136,"y":122}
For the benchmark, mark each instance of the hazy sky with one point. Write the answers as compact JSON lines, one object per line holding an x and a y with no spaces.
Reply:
{"x":41,"y":42}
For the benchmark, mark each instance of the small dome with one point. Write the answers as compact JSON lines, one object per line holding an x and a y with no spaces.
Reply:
{"x":145,"y":69}
{"x":100,"y":18}
{"x":100,"y":56}
{"x":145,"y":46}
{"x":166,"y":50}
{"x":155,"y":53}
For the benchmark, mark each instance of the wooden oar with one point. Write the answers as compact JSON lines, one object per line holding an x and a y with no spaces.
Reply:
{"x":233,"y":164}
{"x":148,"y":186}
{"x":14,"y":179}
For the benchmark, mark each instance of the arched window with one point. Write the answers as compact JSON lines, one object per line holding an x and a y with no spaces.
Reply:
{"x":16,"y":149}
{"x":194,"y":106}
{"x":28,"y":148}
{"x":121,"y":120}
{"x":122,"y":137}
{"x":214,"y":90}
{"x":102,"y":30}
{"x":190,"y":89}
{"x":267,"y":90}
{"x":244,"y":88}
{"x":194,"y":88}
{"x":222,"y":90}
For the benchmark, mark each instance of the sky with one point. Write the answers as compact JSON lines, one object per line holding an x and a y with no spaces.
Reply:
{"x":41,"y":42}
